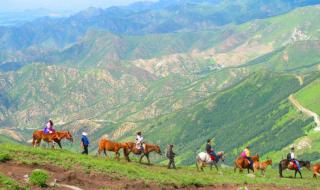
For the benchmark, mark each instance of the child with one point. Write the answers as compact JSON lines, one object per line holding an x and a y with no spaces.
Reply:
{"x":84,"y":143}
{"x":170,"y":155}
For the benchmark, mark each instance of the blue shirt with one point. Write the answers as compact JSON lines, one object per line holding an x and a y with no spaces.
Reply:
{"x":84,"y":140}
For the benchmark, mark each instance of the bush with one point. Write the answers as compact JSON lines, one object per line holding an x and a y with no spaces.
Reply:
{"x":39,"y":177}
{"x":4,"y":157}
{"x":8,"y":183}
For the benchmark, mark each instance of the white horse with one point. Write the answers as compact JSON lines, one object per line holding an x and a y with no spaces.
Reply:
{"x":203,"y":159}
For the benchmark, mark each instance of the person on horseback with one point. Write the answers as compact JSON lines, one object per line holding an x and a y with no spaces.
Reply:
{"x":84,"y":143}
{"x":291,"y":158}
{"x":49,"y":128}
{"x":170,"y":155}
{"x":246,"y":155}
{"x":139,"y":141}
{"x":210,"y":150}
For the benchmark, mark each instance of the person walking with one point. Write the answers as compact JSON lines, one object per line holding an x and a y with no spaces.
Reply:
{"x":170,"y":155}
{"x":85,"y":143}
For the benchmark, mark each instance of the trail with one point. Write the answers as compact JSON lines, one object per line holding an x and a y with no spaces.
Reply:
{"x":306,"y":111}
{"x":300,"y":78}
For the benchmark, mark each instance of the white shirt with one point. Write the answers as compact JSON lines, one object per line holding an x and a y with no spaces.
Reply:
{"x":292,"y":155}
{"x":139,"y":139}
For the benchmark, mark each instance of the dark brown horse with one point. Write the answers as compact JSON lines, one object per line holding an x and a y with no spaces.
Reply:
{"x":243,"y":163}
{"x":107,"y":145}
{"x":285,"y":164}
{"x":147,"y":149}
{"x":56,"y":137}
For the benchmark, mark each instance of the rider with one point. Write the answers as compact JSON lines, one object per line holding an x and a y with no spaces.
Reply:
{"x":139,"y":141}
{"x":49,"y":128}
{"x":291,"y":158}
{"x":210,"y":150}
{"x":246,"y":155}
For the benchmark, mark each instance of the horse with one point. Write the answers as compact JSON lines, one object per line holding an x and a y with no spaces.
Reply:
{"x":284,"y":164}
{"x":204,"y":158}
{"x":147,"y":149}
{"x":56,"y":137}
{"x":262,"y":166}
{"x":316,"y":170}
{"x":105,"y":145}
{"x":243,"y":163}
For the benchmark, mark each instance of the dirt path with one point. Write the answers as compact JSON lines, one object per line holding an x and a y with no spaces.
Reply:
{"x":306,"y":111}
{"x":300,"y":78}
{"x":78,"y":180}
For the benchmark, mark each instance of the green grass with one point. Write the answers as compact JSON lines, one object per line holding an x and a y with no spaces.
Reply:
{"x":7,"y":183}
{"x":155,"y":173}
{"x":39,"y":177}
{"x":4,"y":157}
{"x":309,"y":96}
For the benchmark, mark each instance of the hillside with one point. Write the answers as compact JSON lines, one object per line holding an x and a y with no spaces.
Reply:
{"x":228,"y":81}
{"x":88,"y":172}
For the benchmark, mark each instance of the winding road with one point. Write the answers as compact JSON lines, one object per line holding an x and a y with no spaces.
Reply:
{"x":306,"y":111}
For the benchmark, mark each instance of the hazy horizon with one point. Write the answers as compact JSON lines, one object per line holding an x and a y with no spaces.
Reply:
{"x":59,"y":5}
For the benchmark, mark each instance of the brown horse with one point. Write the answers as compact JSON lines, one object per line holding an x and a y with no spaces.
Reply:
{"x":56,"y":137}
{"x":262,"y":166}
{"x":285,"y":164}
{"x":316,"y":170}
{"x":147,"y":149}
{"x":242,"y":163}
{"x":106,"y":145}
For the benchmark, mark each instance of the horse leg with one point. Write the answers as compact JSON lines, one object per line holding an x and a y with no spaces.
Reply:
{"x":147,"y":155}
{"x":59,"y":143}
{"x":215,"y":165}
{"x":117,"y":156}
{"x":197,"y":164}
{"x":280,"y":170}
{"x":141,"y":158}
{"x":300,"y":174}
{"x":211,"y":166}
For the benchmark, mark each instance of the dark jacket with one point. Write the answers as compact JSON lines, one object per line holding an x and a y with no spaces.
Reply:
{"x":170,"y":154}
{"x":85,"y":140}
{"x":208,"y":148}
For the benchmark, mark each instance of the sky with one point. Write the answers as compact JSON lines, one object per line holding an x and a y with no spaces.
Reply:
{"x":58,"y":5}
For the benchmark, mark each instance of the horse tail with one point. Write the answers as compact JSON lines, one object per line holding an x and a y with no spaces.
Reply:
{"x":197,"y":160}
{"x":280,"y":169}
{"x":34,"y":139}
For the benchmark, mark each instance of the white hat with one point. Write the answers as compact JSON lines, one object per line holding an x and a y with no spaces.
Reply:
{"x":84,"y":134}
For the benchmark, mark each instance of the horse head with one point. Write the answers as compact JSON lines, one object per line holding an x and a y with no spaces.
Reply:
{"x":221,"y":155}
{"x":269,"y":162}
{"x":256,"y":157}
{"x":306,"y":164}
{"x":69,"y":136}
{"x":157,"y":149}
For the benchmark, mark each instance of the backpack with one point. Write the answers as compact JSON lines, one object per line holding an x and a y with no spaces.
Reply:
{"x":289,"y":156}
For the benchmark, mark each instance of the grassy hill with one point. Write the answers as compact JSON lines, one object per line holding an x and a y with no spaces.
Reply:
{"x":310,"y":96}
{"x":192,"y":84}
{"x":123,"y":173}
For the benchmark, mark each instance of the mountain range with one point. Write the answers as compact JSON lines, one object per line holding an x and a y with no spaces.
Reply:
{"x":179,"y":71}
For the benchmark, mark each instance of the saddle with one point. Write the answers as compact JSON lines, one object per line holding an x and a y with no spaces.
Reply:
{"x":292,"y":165}
{"x":140,"y":148}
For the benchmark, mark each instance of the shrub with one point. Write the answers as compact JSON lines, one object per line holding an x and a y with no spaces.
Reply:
{"x":39,"y":177}
{"x":4,"y":157}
